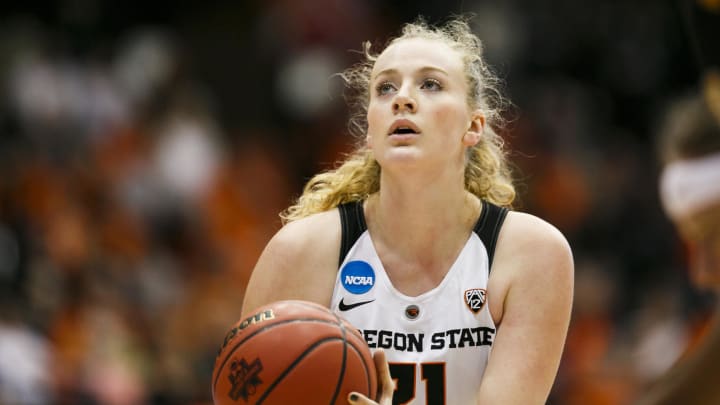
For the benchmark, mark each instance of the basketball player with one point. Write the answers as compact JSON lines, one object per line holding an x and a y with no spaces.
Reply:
{"x":411,"y":238}
{"x":690,"y":191}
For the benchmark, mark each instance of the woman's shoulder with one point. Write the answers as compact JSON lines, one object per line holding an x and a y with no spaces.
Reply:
{"x":299,"y":262}
{"x":316,"y":231}
{"x":530,"y":242}
{"x":531,"y":255}
{"x":529,"y":228}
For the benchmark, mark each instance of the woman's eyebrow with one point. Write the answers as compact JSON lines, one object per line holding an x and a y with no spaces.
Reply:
{"x":424,"y":69}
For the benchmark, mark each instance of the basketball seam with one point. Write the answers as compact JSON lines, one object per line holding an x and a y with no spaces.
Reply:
{"x":246,"y":338}
{"x":341,"y":377}
{"x":292,"y":365}
{"x":365,"y":365}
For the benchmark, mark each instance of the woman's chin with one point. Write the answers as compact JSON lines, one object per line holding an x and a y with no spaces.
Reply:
{"x":401,"y":155}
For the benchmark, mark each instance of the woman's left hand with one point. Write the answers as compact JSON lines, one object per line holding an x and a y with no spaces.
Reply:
{"x":386,"y":386}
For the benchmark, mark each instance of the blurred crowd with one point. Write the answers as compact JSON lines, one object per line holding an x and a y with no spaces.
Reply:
{"x":145,"y":154}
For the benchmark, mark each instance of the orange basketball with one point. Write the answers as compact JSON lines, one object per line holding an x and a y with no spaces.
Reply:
{"x":292,"y":352}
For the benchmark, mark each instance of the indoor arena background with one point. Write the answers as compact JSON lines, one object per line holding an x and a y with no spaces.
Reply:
{"x":147,"y":148}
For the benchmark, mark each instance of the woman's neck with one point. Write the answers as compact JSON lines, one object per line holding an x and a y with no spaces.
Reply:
{"x":419,"y":233}
{"x":424,"y":217}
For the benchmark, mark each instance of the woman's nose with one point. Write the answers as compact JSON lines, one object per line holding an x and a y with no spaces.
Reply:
{"x":403,"y":103}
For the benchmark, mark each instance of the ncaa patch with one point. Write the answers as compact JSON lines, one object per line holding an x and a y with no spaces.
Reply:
{"x":475,"y":299}
{"x":358,"y":277}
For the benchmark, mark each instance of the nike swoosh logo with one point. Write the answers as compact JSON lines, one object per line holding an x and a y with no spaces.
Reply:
{"x":346,"y":307}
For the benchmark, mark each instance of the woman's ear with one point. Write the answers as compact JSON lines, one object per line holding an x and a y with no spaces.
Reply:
{"x":475,"y":130}
{"x":368,"y":141}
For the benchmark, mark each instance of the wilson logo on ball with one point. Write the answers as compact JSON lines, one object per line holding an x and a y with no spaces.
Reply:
{"x":251,"y":320}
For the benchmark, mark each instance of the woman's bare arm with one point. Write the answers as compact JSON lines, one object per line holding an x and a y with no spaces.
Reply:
{"x":535,"y":268}
{"x":300,"y":262}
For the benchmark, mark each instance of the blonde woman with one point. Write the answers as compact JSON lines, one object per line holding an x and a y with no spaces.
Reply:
{"x":412,"y":239}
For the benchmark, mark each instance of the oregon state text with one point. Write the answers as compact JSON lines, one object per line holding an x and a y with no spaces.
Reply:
{"x":419,"y":342}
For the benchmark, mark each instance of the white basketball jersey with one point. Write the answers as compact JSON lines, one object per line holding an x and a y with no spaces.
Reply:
{"x":437,"y":343}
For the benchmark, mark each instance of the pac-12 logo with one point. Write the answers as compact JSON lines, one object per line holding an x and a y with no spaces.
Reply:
{"x":358,"y":277}
{"x":475,"y":299}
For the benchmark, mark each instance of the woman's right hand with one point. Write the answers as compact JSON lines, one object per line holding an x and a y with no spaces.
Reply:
{"x":386,"y":386}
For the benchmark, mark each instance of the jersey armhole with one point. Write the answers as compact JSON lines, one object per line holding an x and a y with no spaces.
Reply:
{"x":488,"y":227}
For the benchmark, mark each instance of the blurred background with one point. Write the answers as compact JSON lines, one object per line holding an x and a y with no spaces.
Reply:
{"x":146,"y":150}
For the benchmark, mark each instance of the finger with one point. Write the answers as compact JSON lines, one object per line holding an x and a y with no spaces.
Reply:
{"x":386,"y":386}
{"x":356,"y":398}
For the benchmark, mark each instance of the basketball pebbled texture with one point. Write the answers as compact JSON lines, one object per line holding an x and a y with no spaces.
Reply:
{"x":292,"y":352}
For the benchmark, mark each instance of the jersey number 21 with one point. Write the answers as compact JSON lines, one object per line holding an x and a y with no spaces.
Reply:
{"x":404,"y":375}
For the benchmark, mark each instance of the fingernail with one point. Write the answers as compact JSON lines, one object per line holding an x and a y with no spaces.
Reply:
{"x":353,"y":397}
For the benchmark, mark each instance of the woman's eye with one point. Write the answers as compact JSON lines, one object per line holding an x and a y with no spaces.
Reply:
{"x":431,"y":84}
{"x":385,"y":88}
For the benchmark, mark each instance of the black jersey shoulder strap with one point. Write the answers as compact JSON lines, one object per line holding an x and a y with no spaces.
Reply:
{"x":488,"y":227}
{"x":352,"y":221}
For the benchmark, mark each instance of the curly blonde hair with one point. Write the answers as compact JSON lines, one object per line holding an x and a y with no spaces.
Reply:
{"x":487,"y":174}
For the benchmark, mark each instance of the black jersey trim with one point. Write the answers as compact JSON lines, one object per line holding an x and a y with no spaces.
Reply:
{"x":352,"y":220}
{"x":488,"y":227}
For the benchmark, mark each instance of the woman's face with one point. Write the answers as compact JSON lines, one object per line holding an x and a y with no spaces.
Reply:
{"x":418,"y":113}
{"x":701,"y":232}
